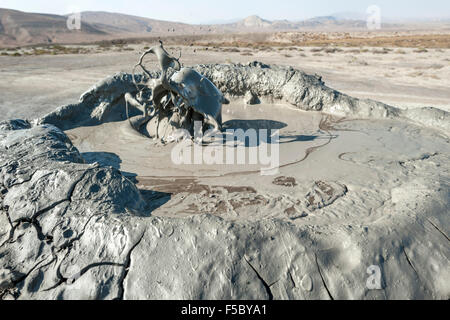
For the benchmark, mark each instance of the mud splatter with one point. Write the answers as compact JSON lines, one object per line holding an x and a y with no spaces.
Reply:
{"x":285,"y":181}
{"x":324,"y":194}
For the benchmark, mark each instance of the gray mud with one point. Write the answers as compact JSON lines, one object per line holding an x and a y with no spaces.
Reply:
{"x":82,"y":218}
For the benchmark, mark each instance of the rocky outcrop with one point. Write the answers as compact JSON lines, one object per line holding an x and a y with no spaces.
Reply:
{"x":50,"y":199}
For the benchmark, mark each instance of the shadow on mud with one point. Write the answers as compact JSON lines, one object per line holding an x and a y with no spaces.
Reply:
{"x":254,"y":139}
{"x":153,"y":199}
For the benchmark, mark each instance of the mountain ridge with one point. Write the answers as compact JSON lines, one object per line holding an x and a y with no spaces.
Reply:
{"x":23,"y":28}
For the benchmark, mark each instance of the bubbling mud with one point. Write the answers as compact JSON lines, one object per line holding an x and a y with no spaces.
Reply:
{"x":299,"y":133}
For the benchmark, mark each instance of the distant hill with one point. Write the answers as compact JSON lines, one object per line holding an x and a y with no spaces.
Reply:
{"x":319,"y":23}
{"x":22,"y":28}
{"x":328,"y":22}
{"x":256,"y":23}
{"x":123,"y":24}
{"x":19,"y":28}
{"x":253,"y":22}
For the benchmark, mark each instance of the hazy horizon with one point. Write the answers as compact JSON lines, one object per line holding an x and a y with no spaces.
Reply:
{"x":201,"y":11}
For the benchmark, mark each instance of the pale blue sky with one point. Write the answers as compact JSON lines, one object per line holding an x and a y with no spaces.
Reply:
{"x":200,"y":11}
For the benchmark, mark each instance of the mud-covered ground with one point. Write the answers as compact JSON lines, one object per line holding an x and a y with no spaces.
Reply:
{"x":360,"y":185}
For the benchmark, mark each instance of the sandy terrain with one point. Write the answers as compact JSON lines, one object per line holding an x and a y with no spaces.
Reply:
{"x":32,"y":86}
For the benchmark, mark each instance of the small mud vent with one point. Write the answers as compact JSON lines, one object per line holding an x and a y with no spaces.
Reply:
{"x":285,"y":181}
{"x":324,"y":194}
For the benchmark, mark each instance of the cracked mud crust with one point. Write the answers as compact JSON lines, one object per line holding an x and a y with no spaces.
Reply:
{"x":90,"y":211}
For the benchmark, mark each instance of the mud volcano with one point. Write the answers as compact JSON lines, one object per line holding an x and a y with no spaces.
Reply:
{"x":358,"y":209}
